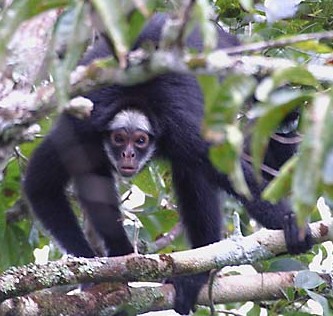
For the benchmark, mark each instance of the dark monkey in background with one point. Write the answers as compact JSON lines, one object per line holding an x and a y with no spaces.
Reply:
{"x":128,"y":126}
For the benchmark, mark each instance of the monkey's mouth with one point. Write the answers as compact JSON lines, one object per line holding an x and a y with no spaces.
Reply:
{"x":127,"y":171}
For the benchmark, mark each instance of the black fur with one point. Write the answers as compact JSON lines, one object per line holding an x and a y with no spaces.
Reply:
{"x":283,"y":144}
{"x":174,"y":105}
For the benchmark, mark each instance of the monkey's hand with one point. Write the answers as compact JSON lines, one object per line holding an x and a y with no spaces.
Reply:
{"x":187,"y":291}
{"x":297,"y":241}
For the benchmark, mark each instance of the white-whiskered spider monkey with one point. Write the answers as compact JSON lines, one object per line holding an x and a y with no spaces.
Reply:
{"x":128,"y":126}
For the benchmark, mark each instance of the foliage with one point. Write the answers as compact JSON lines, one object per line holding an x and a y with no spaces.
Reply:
{"x":229,"y":107}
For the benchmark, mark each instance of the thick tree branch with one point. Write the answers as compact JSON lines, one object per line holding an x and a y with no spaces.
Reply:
{"x":107,"y":296}
{"x":234,"y":251}
{"x":16,"y":116}
{"x":20,"y":109}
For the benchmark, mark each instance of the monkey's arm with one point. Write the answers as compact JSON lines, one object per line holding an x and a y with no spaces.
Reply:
{"x":199,"y":209}
{"x":271,"y":216}
{"x":98,"y":196}
{"x":45,"y":183}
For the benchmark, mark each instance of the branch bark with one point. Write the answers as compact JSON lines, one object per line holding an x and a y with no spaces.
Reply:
{"x":17,"y":115}
{"x":260,"y":46}
{"x":108,"y":296}
{"x":234,"y":251}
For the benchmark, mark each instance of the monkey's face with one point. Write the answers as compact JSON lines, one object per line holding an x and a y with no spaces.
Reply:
{"x":129,"y":150}
{"x":129,"y":142}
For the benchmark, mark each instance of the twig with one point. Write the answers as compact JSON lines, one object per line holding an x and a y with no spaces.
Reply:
{"x":287,"y":140}
{"x":259,"y":46}
{"x":166,"y":239}
{"x":263,"y":167}
{"x":184,"y":18}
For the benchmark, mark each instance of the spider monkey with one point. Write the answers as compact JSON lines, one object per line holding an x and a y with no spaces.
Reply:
{"x":128,"y":126}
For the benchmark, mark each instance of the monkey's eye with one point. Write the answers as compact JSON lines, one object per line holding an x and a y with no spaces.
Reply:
{"x":141,"y":140}
{"x":118,"y":138}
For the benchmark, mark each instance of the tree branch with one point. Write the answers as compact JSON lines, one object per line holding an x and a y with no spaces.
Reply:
{"x":261,"y":245}
{"x":163,"y":241}
{"x":260,"y":46}
{"x":16,"y":117}
{"x":21,"y":109}
{"x":143,"y":298}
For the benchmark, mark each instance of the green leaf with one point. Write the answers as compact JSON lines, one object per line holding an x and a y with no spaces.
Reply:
{"x":286,"y":264}
{"x":159,"y":222}
{"x":280,"y":186}
{"x":15,"y":249}
{"x":146,"y":183}
{"x":306,"y":181}
{"x":254,"y":311}
{"x":270,"y":117}
{"x":314,"y":46}
{"x":322,"y":301}
{"x":308,"y":280}
{"x":9,"y":190}
{"x":264,"y":89}
{"x":210,"y":86}
{"x":203,"y":12}
{"x":202,"y":312}
{"x":135,"y":25}
{"x":229,"y":8}
{"x":290,"y":294}
{"x":247,"y":5}
{"x":225,"y":157}
{"x":71,"y":32}
{"x":114,"y":20}
{"x":224,"y":105}
{"x":295,"y":75}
